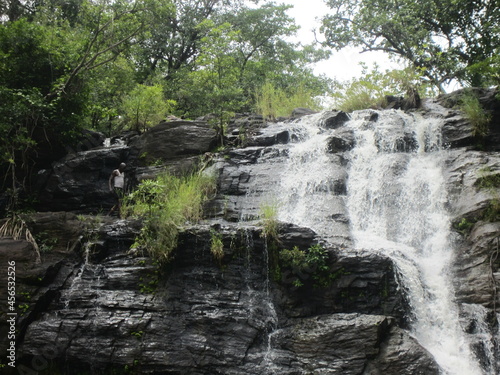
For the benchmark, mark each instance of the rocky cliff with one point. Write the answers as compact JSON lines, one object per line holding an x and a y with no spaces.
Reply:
{"x":93,"y":306}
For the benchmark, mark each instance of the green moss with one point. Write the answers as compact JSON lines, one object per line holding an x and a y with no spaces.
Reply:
{"x":490,"y":181}
{"x":492,"y":211}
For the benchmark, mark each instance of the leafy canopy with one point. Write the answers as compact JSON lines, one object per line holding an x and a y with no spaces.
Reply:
{"x":445,"y":39}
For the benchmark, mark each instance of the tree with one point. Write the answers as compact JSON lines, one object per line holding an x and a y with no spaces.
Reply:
{"x":45,"y":63}
{"x":175,"y":30}
{"x":218,"y":75}
{"x":145,"y":106}
{"x":442,"y":39}
{"x":252,"y":49}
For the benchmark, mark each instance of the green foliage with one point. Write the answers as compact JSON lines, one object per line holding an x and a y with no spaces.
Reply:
{"x":23,"y":308}
{"x":137,"y":334}
{"x":371,"y":89}
{"x":305,"y":266}
{"x":216,"y":245}
{"x":166,"y":204}
{"x":45,"y":241}
{"x":272,"y":102}
{"x":442,"y":38}
{"x":474,"y":112}
{"x":270,"y":223}
{"x":489,"y":181}
{"x":492,"y":211}
{"x":145,"y":106}
{"x":464,"y":226}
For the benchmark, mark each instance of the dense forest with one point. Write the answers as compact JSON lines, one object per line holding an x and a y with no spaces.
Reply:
{"x":69,"y":65}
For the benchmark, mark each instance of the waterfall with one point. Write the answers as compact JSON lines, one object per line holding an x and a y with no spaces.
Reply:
{"x":395,"y":200}
{"x":396,"y":203}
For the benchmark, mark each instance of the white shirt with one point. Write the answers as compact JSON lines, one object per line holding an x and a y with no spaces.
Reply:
{"x":119,"y":180}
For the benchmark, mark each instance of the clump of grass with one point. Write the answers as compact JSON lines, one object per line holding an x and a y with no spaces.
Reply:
{"x":310,"y":265}
{"x":489,"y":180}
{"x":492,"y":211}
{"x":216,"y":245}
{"x":371,"y":89}
{"x":269,"y":220}
{"x":166,"y":205}
{"x":464,"y":226}
{"x":272,"y":102}
{"x":474,"y":112}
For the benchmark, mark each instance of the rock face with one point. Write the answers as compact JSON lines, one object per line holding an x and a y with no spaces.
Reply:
{"x":95,"y":306}
{"x":171,"y":141}
{"x":459,"y":131}
{"x":79,"y":182}
{"x":203,"y":316}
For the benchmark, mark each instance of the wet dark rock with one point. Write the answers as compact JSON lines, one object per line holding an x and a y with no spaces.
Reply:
{"x":300,"y":112}
{"x":79,"y":182}
{"x":401,"y":354}
{"x":458,"y":131}
{"x":334,"y":119}
{"x":169,"y":141}
{"x":476,"y":265}
{"x":363,"y":284}
{"x":342,"y":140}
{"x":207,"y":315}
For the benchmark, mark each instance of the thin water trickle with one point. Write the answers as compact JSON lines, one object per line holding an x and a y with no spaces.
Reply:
{"x":77,"y":280}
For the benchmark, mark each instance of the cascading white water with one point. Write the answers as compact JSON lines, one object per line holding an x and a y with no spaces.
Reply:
{"x":396,"y":203}
{"x":396,"y":200}
{"x":306,"y":190}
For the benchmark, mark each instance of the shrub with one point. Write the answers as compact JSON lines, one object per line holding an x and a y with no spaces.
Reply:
{"x":304,"y":265}
{"x":371,"y":89}
{"x":474,"y":112}
{"x":464,"y":226}
{"x":272,"y":102}
{"x":145,"y":106}
{"x":166,"y":204}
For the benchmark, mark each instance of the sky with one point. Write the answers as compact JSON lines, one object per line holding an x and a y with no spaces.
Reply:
{"x":343,"y":65}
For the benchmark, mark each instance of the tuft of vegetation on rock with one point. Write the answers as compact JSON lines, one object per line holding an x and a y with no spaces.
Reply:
{"x":166,"y":204}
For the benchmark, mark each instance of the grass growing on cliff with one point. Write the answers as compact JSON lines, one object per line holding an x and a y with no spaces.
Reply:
{"x":166,"y":204}
{"x":272,"y":102}
{"x":216,"y":245}
{"x":489,"y":180}
{"x":269,"y":220}
{"x":474,"y":112}
{"x":299,"y":266}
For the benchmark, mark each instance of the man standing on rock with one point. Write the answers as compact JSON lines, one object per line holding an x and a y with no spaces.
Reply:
{"x":117,"y":185}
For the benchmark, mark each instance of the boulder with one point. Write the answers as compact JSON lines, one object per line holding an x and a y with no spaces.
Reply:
{"x":342,"y":140}
{"x":300,"y":112}
{"x":401,"y":354}
{"x":172,"y":141}
{"x":459,"y":132}
{"x":334,"y":119}
{"x":79,"y":182}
